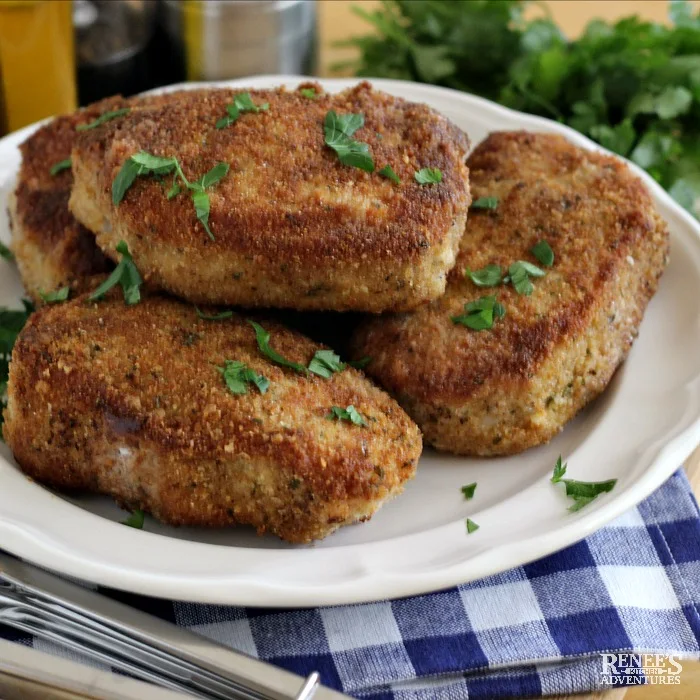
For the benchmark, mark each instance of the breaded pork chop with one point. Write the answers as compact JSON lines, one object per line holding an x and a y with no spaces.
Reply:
{"x":128,"y":401}
{"x":293,"y":226}
{"x":51,"y":248}
{"x":503,"y":390}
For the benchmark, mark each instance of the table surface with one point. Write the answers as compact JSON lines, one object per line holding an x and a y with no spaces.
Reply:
{"x":338,"y":22}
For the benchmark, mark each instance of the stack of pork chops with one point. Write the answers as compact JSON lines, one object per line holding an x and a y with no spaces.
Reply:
{"x":154,"y":225}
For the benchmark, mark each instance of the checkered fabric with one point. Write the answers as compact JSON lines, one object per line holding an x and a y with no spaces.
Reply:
{"x":535,"y":630}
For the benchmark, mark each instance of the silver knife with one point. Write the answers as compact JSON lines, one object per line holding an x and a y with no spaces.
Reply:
{"x":42,"y":604}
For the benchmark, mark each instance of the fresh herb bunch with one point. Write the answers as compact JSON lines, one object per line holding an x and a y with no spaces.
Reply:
{"x":632,"y":86}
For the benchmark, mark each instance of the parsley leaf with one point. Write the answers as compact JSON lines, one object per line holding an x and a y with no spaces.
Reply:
{"x":237,"y":375}
{"x":125,"y":274}
{"x":471,"y":526}
{"x":124,"y":179}
{"x":61,"y":294}
{"x":135,"y":520}
{"x":361,"y":363}
{"x":469,"y":490}
{"x":544,"y":253}
{"x":349,"y":414}
{"x":5,"y":252}
{"x":241,"y":103}
{"x":107,"y":116}
{"x":582,"y":492}
{"x":480,"y":314}
{"x":143,"y":163}
{"x":338,"y":131}
{"x":213,"y":176}
{"x":428,"y":176}
{"x":325,"y":363}
{"x":485,"y":203}
{"x":309,"y":92}
{"x":489,"y":276}
{"x":388,"y":172}
{"x":201,"y":208}
{"x":520,"y":273}
{"x":263,"y":339}
{"x":56,"y":168}
{"x":559,"y":471}
{"x":214,"y":317}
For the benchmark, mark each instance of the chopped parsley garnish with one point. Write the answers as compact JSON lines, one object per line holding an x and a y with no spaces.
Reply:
{"x":241,"y":103}
{"x":349,"y":414}
{"x":238,"y":375}
{"x":135,"y":520}
{"x":147,"y":164}
{"x":582,"y":492}
{"x":428,"y":176}
{"x":559,"y":471}
{"x":5,"y":252}
{"x":519,"y":274}
{"x":468,"y":491}
{"x":361,"y":363}
{"x":61,"y":294}
{"x":11,"y":323}
{"x":309,"y":92}
{"x":61,"y":165}
{"x":489,"y":276}
{"x":214,"y":317}
{"x":480,"y":314}
{"x":125,"y":274}
{"x":325,"y":363}
{"x":263,"y":339}
{"x":471,"y":526}
{"x":107,"y":116}
{"x":388,"y":172}
{"x":544,"y":253}
{"x":338,"y":130}
{"x":485,"y":203}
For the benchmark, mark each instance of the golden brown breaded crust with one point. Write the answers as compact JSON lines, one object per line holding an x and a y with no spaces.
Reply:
{"x":294,"y":227}
{"x":51,"y":248}
{"x":128,"y":401}
{"x":503,"y":390}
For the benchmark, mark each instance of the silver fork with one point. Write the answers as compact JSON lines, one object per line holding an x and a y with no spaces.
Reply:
{"x":41,"y":604}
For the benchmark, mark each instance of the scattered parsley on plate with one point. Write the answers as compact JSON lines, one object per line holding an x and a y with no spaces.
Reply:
{"x":582,"y":492}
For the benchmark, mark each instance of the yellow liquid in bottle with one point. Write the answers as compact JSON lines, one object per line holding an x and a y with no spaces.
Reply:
{"x":37,"y":58}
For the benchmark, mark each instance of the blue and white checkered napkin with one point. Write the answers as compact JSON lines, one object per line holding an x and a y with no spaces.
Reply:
{"x":535,"y":630}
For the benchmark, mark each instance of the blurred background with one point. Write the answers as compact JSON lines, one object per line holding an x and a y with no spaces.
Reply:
{"x":625,"y":73}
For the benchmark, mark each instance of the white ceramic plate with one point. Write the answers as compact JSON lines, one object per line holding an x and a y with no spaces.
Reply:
{"x":640,"y":431}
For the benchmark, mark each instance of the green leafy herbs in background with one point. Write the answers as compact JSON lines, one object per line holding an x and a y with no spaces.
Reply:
{"x":632,"y":86}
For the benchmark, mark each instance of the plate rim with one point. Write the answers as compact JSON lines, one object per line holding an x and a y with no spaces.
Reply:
{"x":369,"y":584}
